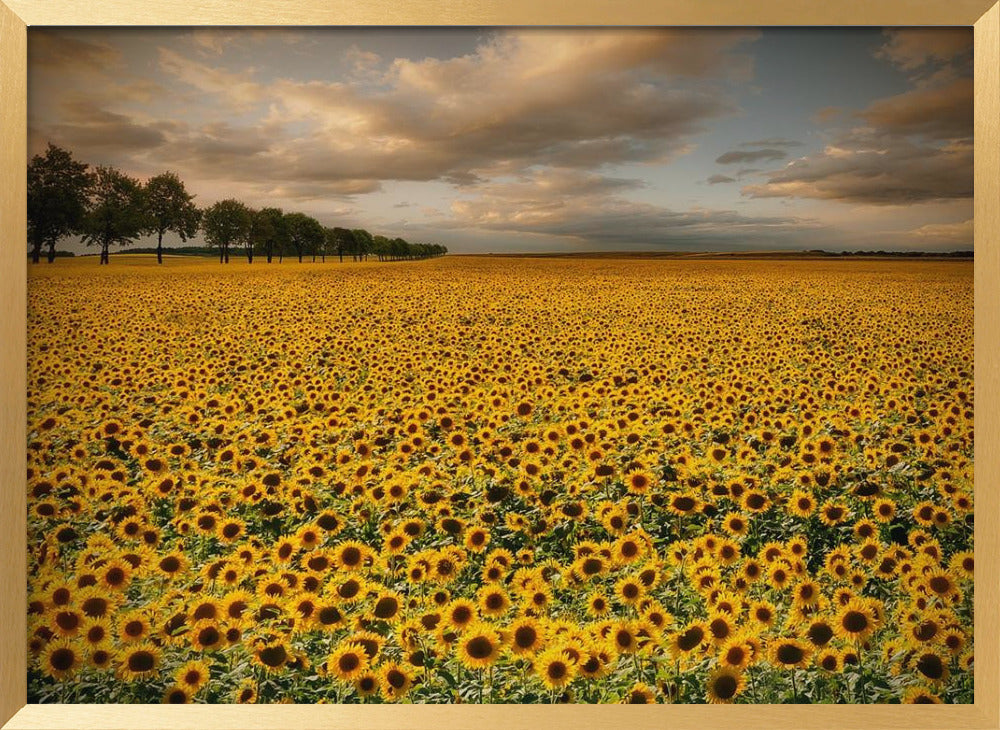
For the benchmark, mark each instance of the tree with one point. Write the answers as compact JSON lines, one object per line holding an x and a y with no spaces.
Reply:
{"x":304,"y":232}
{"x":170,"y":208}
{"x":58,"y":188}
{"x":269,"y":225}
{"x":226,"y":223}
{"x":364,"y":242}
{"x":380,"y":247}
{"x":117,"y":211}
{"x":341,"y":241}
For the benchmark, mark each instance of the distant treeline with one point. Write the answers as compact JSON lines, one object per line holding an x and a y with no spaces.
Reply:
{"x":900,"y":254}
{"x":107,"y":207}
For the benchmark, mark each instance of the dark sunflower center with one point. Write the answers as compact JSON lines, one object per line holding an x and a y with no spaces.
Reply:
{"x":789,"y":654}
{"x":141,"y":661}
{"x":855,"y":621}
{"x":62,"y":659}
{"x":525,"y":636}
{"x":273,"y":656}
{"x":724,"y":687}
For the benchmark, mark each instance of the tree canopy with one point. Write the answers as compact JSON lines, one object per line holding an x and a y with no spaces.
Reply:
{"x":117,"y":211}
{"x":58,"y":188}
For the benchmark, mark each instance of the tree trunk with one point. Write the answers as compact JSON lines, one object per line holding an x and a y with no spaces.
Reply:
{"x":159,"y":247}
{"x":36,"y":250}
{"x":105,"y":258}
{"x":249,"y":255}
{"x":222,"y":256}
{"x":341,"y":256}
{"x":269,"y":252}
{"x":52,"y":251}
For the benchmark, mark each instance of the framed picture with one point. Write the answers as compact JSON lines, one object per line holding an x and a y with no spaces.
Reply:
{"x":684,"y":418}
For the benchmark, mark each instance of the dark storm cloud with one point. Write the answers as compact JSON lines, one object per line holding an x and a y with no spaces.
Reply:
{"x":940,"y":112}
{"x":742,"y":156}
{"x":581,"y":99}
{"x":879,"y":169}
{"x":772,"y":142}
{"x":916,"y":146}
{"x":578,"y":206}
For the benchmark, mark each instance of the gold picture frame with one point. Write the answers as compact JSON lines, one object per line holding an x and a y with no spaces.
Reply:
{"x":17,"y":15}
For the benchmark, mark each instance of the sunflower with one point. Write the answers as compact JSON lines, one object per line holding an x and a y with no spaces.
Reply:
{"x":348,"y":661}
{"x":639,"y":481}
{"x":855,"y":620}
{"x":689,"y":639}
{"x":460,"y":613}
{"x":806,"y":593}
{"x":685,"y":503}
{"x":829,"y":660}
{"x":246,"y":692}
{"x":494,"y":601}
{"x":597,"y":604}
{"x":116,"y":575}
{"x":395,"y":680}
{"x":351,"y":555}
{"x":920,"y":696}
{"x":833,"y":513}
{"x":736,"y":524}
{"x":930,"y":665}
{"x":61,"y":659}
{"x":789,"y":653}
{"x":479,"y":646}
{"x":176,"y":695}
{"x":67,"y":623}
{"x":640,"y":694}
{"x":272,"y":654}
{"x":192,"y":676}
{"x":629,"y":591}
{"x":387,"y":606}
{"x":735,"y":654}
{"x":554,"y":668}
{"x":884,"y":510}
{"x":724,"y":684}
{"x":207,"y":636}
{"x":940,"y":583}
{"x":527,"y":635}
{"x":139,"y":661}
{"x":801,"y":504}
{"x":819,"y":631}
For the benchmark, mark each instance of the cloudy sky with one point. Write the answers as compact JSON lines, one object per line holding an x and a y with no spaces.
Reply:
{"x":538,"y":139}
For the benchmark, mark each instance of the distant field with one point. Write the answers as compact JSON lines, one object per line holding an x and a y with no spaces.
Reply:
{"x":501,"y":479}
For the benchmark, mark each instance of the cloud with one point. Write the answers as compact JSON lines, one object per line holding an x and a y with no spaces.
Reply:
{"x":578,"y":206}
{"x":61,"y":53}
{"x":914,"y":147}
{"x":522,"y":100}
{"x":826,"y":114}
{"x":716,"y":179}
{"x":911,"y":49}
{"x":772,"y":142}
{"x":866,"y":166}
{"x":741,"y":156}
{"x":88,"y":126}
{"x":940,"y":112}
{"x":238,"y":87}
{"x":955,"y":233}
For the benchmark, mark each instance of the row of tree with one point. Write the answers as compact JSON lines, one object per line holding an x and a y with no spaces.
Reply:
{"x":107,"y":207}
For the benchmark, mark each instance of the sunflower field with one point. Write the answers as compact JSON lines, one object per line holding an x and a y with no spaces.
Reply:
{"x":485,"y":479}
